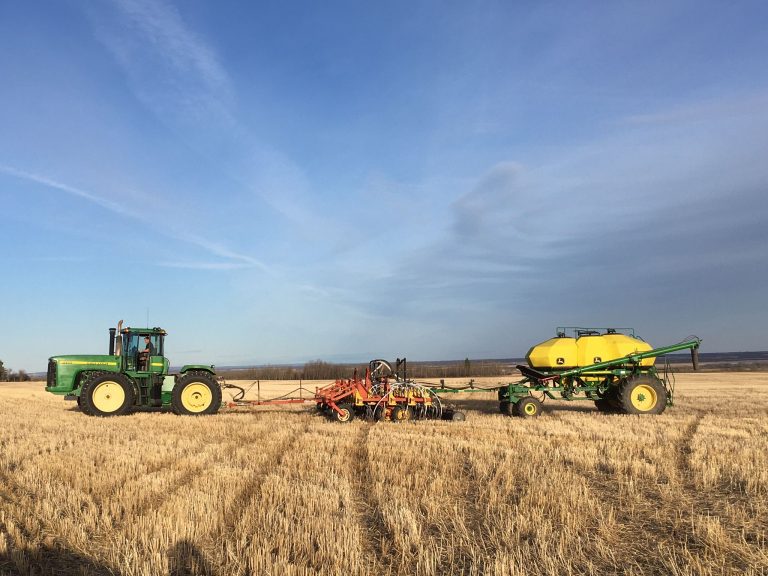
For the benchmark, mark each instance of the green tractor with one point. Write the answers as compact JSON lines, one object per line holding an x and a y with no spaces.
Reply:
{"x":133,"y":374}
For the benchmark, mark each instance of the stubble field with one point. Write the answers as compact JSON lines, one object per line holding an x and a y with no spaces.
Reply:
{"x":289,"y":492}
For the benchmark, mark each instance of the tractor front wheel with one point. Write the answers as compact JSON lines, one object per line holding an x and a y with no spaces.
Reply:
{"x":643,"y":394}
{"x":196,"y":393}
{"x":107,"y":394}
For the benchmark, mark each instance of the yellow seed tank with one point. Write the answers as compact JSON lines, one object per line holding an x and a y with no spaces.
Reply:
{"x":586,"y":348}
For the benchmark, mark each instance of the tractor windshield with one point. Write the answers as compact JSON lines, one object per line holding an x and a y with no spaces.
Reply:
{"x":138,"y":348}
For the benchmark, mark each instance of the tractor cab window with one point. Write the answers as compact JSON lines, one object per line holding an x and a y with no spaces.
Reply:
{"x":138,"y":348}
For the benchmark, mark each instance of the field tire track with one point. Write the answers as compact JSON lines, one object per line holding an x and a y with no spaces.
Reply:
{"x":374,"y":530}
{"x":251,"y":485}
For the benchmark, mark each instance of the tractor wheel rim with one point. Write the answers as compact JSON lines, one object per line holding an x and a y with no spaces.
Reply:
{"x":644,"y":397}
{"x":344,"y":416}
{"x":196,"y":397}
{"x":108,"y":397}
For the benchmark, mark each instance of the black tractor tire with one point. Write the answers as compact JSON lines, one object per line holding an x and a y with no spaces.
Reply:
{"x":642,"y":394}
{"x":506,"y":408}
{"x":107,"y":394}
{"x":81,"y":406}
{"x":347,"y":413}
{"x":196,"y":393}
{"x":528,"y":407}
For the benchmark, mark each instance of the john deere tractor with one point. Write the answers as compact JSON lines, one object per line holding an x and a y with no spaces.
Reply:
{"x":133,"y":374}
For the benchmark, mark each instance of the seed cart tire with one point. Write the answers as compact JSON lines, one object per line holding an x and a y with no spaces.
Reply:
{"x":347,"y":413}
{"x":458,"y":416}
{"x":107,"y":394}
{"x":400,"y":414}
{"x":197,"y":393}
{"x":606,"y":406}
{"x":643,"y":394}
{"x":528,"y":407}
{"x":609,"y":402}
{"x":506,"y":408}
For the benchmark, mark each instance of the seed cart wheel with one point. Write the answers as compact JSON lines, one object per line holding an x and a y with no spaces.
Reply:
{"x":528,"y":407}
{"x":107,"y":395}
{"x":195,"y":394}
{"x":400,"y":414}
{"x":458,"y":416}
{"x":346,"y":414}
{"x":643,"y":394}
{"x":507,"y":408}
{"x":606,"y":406}
{"x":609,"y":402}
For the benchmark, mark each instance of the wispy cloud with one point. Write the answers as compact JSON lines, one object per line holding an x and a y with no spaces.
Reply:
{"x":171,"y":69}
{"x":214,"y":248}
{"x":71,"y":190}
{"x":205,"y":265}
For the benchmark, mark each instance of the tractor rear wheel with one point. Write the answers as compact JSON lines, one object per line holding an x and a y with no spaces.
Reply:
{"x":528,"y":407}
{"x":643,"y":394}
{"x":196,"y":393}
{"x":107,"y":394}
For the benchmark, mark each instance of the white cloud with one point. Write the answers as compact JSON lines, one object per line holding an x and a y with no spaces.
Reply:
{"x":170,"y":68}
{"x":236,"y":260}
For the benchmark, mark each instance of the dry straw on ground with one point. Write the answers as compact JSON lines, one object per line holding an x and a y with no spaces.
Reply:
{"x":289,"y":492}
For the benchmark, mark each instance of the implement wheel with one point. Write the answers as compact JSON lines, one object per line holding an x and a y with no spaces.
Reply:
{"x":507,"y":408}
{"x":195,"y":394}
{"x":107,"y":394}
{"x":643,"y":394}
{"x":400,"y":414}
{"x":347,"y":413}
{"x":528,"y":407}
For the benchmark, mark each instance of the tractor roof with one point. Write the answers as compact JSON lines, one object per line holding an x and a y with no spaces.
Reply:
{"x":154,"y":330}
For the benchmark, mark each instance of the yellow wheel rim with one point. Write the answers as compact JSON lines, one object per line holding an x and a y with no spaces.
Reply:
{"x":344,"y":415}
{"x":530,"y":409}
{"x":644,"y":397}
{"x":196,"y":397}
{"x":108,"y":396}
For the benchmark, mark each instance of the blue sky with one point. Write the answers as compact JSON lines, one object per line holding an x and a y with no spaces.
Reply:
{"x":274,"y":182}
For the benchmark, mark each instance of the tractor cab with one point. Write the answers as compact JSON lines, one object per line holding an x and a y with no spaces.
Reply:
{"x":142,"y":350}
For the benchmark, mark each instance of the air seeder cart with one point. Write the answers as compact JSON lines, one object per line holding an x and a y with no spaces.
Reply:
{"x":614,"y":369}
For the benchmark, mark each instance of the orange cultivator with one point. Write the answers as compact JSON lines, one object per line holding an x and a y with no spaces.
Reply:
{"x":384,"y":394}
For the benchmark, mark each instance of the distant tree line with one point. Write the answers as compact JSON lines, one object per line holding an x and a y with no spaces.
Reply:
{"x":320,"y":370}
{"x":11,"y":376}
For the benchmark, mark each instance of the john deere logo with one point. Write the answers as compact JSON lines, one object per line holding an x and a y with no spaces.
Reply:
{"x":560,"y":361}
{"x":598,"y":359}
